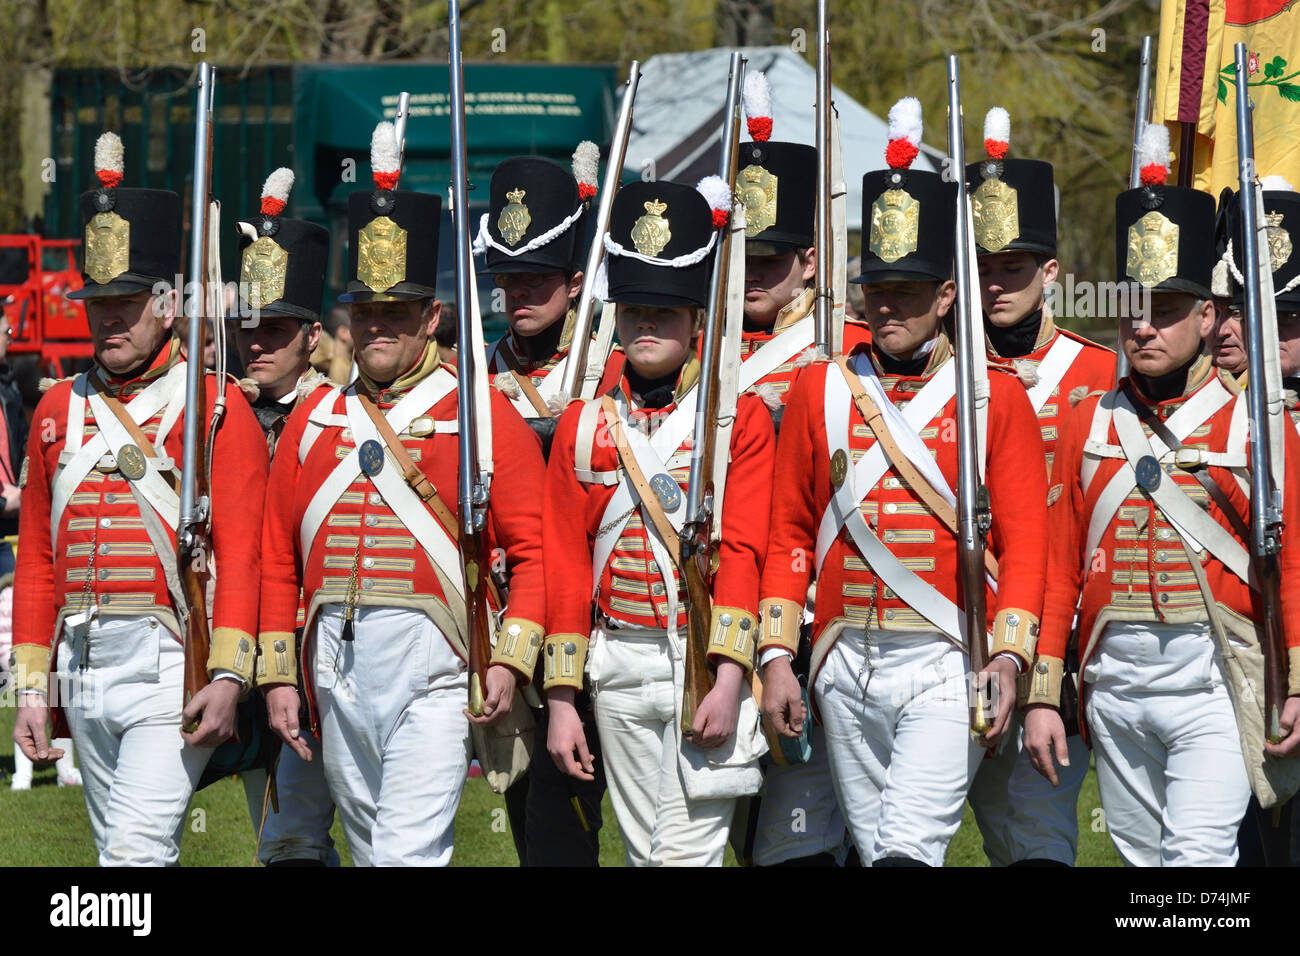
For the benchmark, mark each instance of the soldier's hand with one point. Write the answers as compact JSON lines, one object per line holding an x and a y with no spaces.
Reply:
{"x":29,"y":728}
{"x":282,"y":715}
{"x":1045,"y":739}
{"x":783,"y":705}
{"x":213,"y":709}
{"x":565,"y":735}
{"x":1003,"y":671}
{"x":715,"y":718}
{"x":498,"y":695}
{"x":1290,"y":721}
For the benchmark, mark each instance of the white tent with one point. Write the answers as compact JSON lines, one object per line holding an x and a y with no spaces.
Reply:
{"x":677,"y":122}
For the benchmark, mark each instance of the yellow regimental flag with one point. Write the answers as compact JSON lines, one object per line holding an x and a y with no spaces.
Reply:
{"x":1196,"y":81}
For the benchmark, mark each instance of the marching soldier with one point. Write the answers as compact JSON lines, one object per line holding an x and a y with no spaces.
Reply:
{"x":1147,"y":532}
{"x":362,"y":500}
{"x":1022,"y":819}
{"x":97,"y":593}
{"x":1267,"y":837}
{"x":870,"y":513}
{"x":532,"y":235}
{"x":614,"y":503}
{"x":778,"y":182}
{"x":282,"y":271}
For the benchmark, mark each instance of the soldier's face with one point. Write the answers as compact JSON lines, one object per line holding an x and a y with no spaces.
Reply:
{"x":1011,"y":285}
{"x":389,"y":337}
{"x":773,"y":282}
{"x":905,"y":315}
{"x":657,"y":340}
{"x":1288,"y":334}
{"x":127,"y":329}
{"x":1172,"y":337}
{"x":1225,"y":339}
{"x":537,"y":300}
{"x":275,"y":352}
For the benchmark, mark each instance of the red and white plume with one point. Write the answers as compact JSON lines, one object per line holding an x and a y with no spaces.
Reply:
{"x":997,"y":132}
{"x":717,"y":193}
{"x":385,"y":158}
{"x":1153,"y":154}
{"x":904,"y":133}
{"x":110,"y":159}
{"x":758,"y":106}
{"x":586,"y":165}
{"x":275,"y":191}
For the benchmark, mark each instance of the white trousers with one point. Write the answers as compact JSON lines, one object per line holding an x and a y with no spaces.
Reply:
{"x":394,"y":735}
{"x":635,"y":701}
{"x":896,"y":715}
{"x":301,"y":830}
{"x":124,"y":710}
{"x":798,"y":815}
{"x":1169,"y":766}
{"x":1021,"y":816}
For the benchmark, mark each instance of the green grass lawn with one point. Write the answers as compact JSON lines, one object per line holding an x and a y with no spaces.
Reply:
{"x":47,"y":826}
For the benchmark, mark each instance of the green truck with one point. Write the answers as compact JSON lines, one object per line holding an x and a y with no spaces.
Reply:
{"x":317,"y":118}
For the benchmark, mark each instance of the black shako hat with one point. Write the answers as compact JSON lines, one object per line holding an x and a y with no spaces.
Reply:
{"x":1281,"y":221}
{"x":660,"y":222}
{"x":1164,"y":235}
{"x":392,"y":233}
{"x":778,"y":182}
{"x":282,"y":261}
{"x":536,"y":216}
{"x":132,"y":236}
{"x":1013,"y":204}
{"x":909,"y":215}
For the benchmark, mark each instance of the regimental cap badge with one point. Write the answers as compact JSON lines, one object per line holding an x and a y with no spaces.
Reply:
{"x":1279,"y":240}
{"x":995,"y":206}
{"x":108,"y":235}
{"x":896,"y":214}
{"x":515,"y":218}
{"x":1152,"y":255}
{"x":265,"y":263}
{"x":758,"y":191}
{"x":650,"y":233}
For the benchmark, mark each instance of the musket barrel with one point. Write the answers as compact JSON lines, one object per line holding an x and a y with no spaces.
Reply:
{"x":195,"y":302}
{"x":468,"y":452}
{"x":1142,"y":112}
{"x":1261,"y":541}
{"x":717,"y":287}
{"x":825,"y":243}
{"x":575,"y":368}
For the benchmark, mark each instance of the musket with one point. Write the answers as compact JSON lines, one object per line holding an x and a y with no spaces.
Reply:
{"x":973,"y":516}
{"x":696,"y":546}
{"x":472,"y":492}
{"x":575,"y":370}
{"x":1264,"y":404}
{"x":1141,"y":116}
{"x":399,"y":126}
{"x":193,"y":537}
{"x":824,"y":304}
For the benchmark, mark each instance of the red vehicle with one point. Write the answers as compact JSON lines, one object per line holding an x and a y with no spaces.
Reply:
{"x":37,"y":274}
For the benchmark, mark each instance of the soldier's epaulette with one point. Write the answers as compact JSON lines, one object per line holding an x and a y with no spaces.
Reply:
{"x":1080,"y":392}
{"x":1005,"y":370}
{"x":313,"y":379}
{"x":1230,"y":382}
{"x":46,"y":384}
{"x":1084,"y":340}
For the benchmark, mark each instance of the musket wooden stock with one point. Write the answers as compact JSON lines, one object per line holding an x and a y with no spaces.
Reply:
{"x":478,"y":615}
{"x":1273,"y":645}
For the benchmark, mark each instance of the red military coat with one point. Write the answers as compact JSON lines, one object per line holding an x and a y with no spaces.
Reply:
{"x":360,"y":528}
{"x":102,"y":530}
{"x":848,"y":592}
{"x":630,"y":587}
